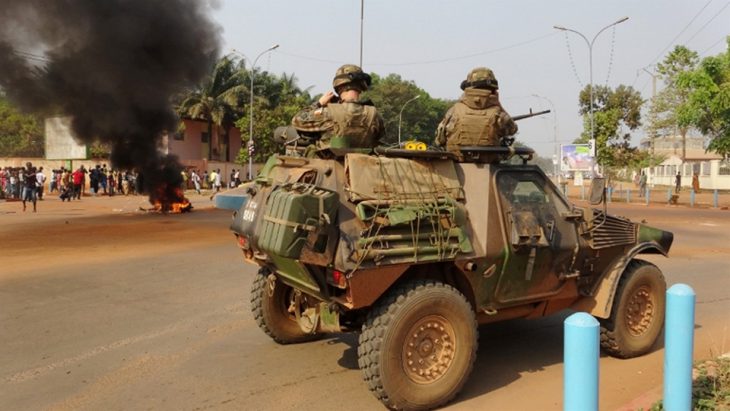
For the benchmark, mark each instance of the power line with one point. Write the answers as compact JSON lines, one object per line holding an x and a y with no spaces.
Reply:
{"x":661,"y":53}
{"x":299,"y":56}
{"x":713,"y":45}
{"x":709,"y":21}
{"x":444,"y":60}
{"x":481,"y":53}
{"x":610,"y":59}
{"x":572,"y":62}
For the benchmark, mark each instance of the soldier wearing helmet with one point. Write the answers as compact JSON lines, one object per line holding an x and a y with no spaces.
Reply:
{"x":478,"y":118}
{"x":342,"y":120}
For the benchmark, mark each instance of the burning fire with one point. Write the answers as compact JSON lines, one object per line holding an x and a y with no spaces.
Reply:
{"x":170,"y":199}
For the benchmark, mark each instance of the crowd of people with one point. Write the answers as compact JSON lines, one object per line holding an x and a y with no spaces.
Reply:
{"x":29,"y":184}
{"x":194,"y":179}
{"x":69,"y":184}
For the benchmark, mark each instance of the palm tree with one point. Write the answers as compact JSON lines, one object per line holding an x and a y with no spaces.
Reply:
{"x":219,"y":100}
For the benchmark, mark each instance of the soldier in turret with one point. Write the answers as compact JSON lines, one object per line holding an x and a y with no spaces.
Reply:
{"x":478,"y":118}
{"x":343,"y":115}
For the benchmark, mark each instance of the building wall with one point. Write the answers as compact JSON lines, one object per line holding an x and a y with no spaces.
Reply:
{"x":189,"y":145}
{"x":713,"y":174}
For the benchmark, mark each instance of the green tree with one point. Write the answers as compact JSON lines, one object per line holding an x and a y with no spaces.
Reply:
{"x":708,"y":100}
{"x":616,"y":112}
{"x":420,"y":117}
{"x":278,"y":99}
{"x":664,"y":109}
{"x":20,"y":134}
{"x":219,"y":101}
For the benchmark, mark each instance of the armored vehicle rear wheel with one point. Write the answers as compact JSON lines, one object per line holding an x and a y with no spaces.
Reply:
{"x":637,"y":316}
{"x":273,"y":307}
{"x":418,"y":345}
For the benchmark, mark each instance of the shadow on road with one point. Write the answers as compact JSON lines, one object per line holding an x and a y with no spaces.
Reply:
{"x":349,"y":356}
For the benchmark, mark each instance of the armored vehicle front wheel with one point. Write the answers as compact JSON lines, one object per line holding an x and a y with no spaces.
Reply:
{"x":418,"y":345}
{"x":275,"y":306}
{"x":637,"y":316}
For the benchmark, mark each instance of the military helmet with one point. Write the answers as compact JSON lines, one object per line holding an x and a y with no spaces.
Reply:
{"x":480,"y":77}
{"x":350,"y":74}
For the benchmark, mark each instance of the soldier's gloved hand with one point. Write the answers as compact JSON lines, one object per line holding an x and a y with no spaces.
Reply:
{"x":326,"y":98}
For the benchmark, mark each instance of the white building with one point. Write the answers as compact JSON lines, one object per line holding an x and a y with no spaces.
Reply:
{"x":713,"y":171}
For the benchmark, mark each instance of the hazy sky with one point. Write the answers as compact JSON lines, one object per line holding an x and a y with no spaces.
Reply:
{"x":436,"y":43}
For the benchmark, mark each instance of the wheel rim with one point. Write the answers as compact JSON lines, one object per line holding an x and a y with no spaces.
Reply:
{"x":429,"y":348}
{"x":640,"y":311}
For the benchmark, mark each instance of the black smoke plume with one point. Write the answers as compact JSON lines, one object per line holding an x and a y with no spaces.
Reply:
{"x":113,"y":65}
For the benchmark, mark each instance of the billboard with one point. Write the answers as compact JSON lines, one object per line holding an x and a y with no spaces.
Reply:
{"x":60,"y":142}
{"x":575,"y":157}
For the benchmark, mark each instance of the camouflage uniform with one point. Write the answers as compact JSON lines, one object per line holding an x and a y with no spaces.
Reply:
{"x":478,"y":118}
{"x":358,"y":122}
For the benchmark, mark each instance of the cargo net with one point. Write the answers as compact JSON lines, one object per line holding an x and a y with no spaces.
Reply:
{"x":410,"y":208}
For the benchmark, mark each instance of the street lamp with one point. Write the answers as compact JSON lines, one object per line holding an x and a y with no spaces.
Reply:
{"x":555,"y":133}
{"x":250,"y":103}
{"x":400,"y":116}
{"x":590,"y":67}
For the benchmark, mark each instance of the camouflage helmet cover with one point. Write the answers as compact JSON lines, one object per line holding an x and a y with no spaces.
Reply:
{"x":480,"y":77}
{"x":350,"y":74}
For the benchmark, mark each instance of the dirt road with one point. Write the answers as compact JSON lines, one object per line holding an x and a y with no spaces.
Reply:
{"x":103,"y":306}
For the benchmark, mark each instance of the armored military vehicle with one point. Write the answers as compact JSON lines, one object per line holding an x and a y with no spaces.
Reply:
{"x":413,"y":249}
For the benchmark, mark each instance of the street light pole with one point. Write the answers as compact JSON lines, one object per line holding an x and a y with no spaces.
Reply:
{"x":555,"y":133}
{"x":590,"y":68}
{"x":400,"y":116}
{"x":250,"y":119}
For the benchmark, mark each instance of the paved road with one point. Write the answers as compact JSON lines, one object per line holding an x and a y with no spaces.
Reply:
{"x":103,"y":306}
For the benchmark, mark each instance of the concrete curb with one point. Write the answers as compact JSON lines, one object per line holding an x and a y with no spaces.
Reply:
{"x":649,"y":398}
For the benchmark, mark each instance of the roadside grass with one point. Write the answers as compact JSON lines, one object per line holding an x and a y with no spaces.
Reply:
{"x":710,"y":386}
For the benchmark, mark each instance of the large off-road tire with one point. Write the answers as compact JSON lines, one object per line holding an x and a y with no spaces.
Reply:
{"x":637,"y":316}
{"x":270,"y":302}
{"x":418,"y":345}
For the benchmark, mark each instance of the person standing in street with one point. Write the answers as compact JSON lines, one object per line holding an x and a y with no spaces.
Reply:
{"x":211,"y":179}
{"x":78,"y":179}
{"x":217,"y":182}
{"x":642,"y":184}
{"x":196,"y":180}
{"x":40,"y":179}
{"x":30,"y":187}
{"x":696,"y":183}
{"x":678,"y":182}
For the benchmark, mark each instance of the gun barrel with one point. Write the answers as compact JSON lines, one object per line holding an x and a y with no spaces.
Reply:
{"x":530,"y":114}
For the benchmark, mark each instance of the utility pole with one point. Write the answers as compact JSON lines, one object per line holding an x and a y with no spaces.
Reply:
{"x":556,"y":155}
{"x":590,"y":69}
{"x":362,"y":18}
{"x":251,"y":148}
{"x":653,"y":102}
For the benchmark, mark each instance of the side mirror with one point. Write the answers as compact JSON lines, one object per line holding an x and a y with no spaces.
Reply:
{"x":598,"y":190}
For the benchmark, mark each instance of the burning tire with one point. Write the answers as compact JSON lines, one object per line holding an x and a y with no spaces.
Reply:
{"x":637,"y":317}
{"x":418,"y":345}
{"x":272,"y":305}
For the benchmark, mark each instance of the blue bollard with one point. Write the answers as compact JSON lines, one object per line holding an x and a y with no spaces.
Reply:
{"x":628,"y":195}
{"x":582,"y":192}
{"x":648,"y":192}
{"x":610,"y":193}
{"x":580,"y":356}
{"x":678,"y":342}
{"x":691,"y":198}
{"x":716,"y":199}
{"x":669,"y":194}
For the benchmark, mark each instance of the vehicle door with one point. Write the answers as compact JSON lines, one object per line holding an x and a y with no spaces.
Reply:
{"x":541,"y":237}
